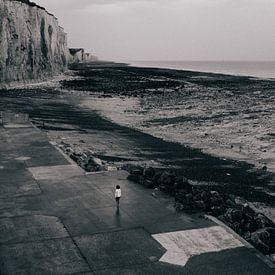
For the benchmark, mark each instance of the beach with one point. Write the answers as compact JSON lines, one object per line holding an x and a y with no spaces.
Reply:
{"x":214,"y":129}
{"x":226,"y":116}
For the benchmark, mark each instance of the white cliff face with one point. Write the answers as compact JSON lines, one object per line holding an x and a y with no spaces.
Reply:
{"x":32,"y":44}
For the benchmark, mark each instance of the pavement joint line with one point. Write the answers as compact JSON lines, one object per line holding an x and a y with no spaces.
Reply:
{"x":137,"y":265}
{"x":151,"y":236}
{"x":30,"y":195}
{"x":38,"y":184}
{"x":242,"y":240}
{"x":78,"y":248}
{"x":35,"y":241}
{"x":126,"y":265}
{"x":110,"y":230}
{"x":68,"y":158}
{"x":83,"y":273}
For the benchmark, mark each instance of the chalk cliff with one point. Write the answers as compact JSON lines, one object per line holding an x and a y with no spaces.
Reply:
{"x":32,"y":44}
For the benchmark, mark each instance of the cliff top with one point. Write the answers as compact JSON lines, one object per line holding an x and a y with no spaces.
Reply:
{"x":32,"y":4}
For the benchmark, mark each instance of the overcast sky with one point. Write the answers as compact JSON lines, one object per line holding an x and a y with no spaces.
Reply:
{"x":169,"y":29}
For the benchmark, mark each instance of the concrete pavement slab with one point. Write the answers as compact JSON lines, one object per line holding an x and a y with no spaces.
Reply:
{"x":177,"y":221}
{"x":33,"y":144}
{"x":113,"y":218}
{"x":58,"y":172}
{"x":10,"y":207}
{"x":16,"y":180}
{"x":59,"y":256}
{"x":30,"y":228}
{"x":119,"y":248}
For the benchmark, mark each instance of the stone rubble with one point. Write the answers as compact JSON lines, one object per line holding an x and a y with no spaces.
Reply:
{"x":84,"y":158}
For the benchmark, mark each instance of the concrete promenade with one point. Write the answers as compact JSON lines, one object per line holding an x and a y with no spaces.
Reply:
{"x":55,"y":219}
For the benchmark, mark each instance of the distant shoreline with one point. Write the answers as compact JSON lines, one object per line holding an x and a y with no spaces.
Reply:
{"x":267,"y":72}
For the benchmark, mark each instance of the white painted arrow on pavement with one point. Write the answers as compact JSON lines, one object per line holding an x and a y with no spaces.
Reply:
{"x":182,"y":245}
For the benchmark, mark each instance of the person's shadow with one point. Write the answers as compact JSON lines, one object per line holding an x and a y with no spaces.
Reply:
{"x":117,"y":217}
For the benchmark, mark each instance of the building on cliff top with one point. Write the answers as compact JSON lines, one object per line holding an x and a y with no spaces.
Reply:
{"x":78,"y":55}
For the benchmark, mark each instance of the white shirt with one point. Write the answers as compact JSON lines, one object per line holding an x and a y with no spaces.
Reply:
{"x":118,"y":193}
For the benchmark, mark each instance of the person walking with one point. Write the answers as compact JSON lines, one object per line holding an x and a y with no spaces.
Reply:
{"x":117,"y":195}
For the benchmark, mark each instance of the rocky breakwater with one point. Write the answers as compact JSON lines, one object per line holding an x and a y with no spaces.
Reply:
{"x":33,"y":45}
{"x":234,"y":211}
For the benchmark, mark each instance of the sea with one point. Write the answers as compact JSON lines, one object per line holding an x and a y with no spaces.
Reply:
{"x":261,"y":69}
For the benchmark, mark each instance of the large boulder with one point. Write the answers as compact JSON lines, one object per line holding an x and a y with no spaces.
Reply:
{"x":138,"y":171}
{"x":156,"y":178}
{"x":167,"y":179}
{"x":148,"y":183}
{"x":216,"y":199}
{"x":236,"y":215}
{"x":200,"y":205}
{"x":148,"y":173}
{"x":217,"y":210}
{"x":182,"y":183}
{"x":261,"y":240}
{"x":262,"y":221}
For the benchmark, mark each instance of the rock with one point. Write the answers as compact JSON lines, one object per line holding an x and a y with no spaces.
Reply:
{"x":247,"y":236}
{"x":148,"y":183}
{"x":237,"y":227}
{"x":217,"y":210}
{"x":137,"y":172}
{"x":95,"y":161}
{"x":272,"y":240}
{"x":215,"y":193}
{"x":156,"y":179}
{"x":142,"y":180}
{"x":222,"y":218}
{"x":197,"y":197}
{"x":230,"y":203}
{"x":227,"y":215}
{"x":205,"y":196}
{"x":182,"y":183}
{"x":179,"y":206}
{"x":264,"y":240}
{"x":189,"y":198}
{"x":261,"y":240}
{"x":180,"y":195}
{"x":167,"y":179}
{"x":74,"y":157}
{"x":149,"y":173}
{"x":262,"y":221}
{"x":236,"y":215}
{"x":240,"y":201}
{"x":200,"y":205}
{"x":216,"y":201}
